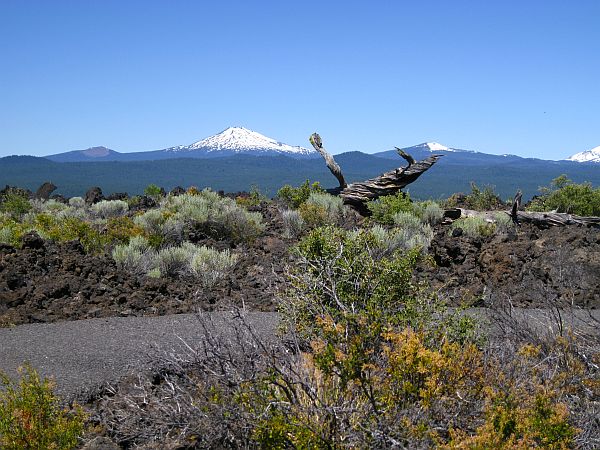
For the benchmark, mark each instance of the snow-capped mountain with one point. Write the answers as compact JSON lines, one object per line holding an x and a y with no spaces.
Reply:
{"x":241,"y":140}
{"x":592,"y":155}
{"x":434,"y":147}
{"x":232,"y":141}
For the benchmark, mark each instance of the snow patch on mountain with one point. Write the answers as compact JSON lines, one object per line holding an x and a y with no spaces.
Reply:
{"x":242,"y":140}
{"x":592,"y":155}
{"x":434,"y":147}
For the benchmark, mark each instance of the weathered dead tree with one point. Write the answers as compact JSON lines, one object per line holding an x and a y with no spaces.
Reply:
{"x":358,"y":194}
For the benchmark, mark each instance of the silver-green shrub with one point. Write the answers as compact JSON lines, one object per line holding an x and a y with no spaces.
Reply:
{"x":293,"y":223}
{"x":474,"y":226}
{"x":332,"y":205}
{"x":175,"y":261}
{"x":209,"y":265}
{"x":208,"y":206}
{"x":77,"y":213}
{"x":50,"y":206}
{"x":429,"y":212}
{"x":413,"y":232}
{"x":135,"y":257}
{"x":106,"y":209}
{"x":503,"y":222}
{"x":77,"y":202}
{"x":151,"y":221}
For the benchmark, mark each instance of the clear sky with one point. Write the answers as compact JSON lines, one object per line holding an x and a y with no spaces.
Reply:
{"x":519,"y":77}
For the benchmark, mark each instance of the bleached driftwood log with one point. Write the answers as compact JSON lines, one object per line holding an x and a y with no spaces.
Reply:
{"x":358,"y":194}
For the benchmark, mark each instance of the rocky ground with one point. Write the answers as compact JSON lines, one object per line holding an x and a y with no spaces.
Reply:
{"x":48,"y":282}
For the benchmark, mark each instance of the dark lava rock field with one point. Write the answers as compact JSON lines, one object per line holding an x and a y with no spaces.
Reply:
{"x":49,"y":282}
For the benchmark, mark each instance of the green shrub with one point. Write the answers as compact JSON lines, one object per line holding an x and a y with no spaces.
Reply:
{"x":565,"y":196}
{"x":11,"y":231}
{"x":474,"y":226}
{"x":15,"y":204}
{"x":355,"y":271}
{"x":478,"y":199}
{"x":294,"y":197}
{"x":254,"y":198}
{"x":322,"y":209}
{"x":383,"y":209}
{"x":68,"y":229}
{"x":31,"y":418}
{"x":313,"y":216}
{"x":153,"y":191}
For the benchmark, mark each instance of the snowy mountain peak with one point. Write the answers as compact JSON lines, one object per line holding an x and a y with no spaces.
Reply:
{"x":592,"y":155}
{"x":242,"y":140}
{"x":434,"y":147}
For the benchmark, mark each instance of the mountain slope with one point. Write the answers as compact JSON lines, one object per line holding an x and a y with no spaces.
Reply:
{"x":592,"y":155}
{"x":455,"y":155}
{"x":89,"y":154}
{"x":235,"y":140}
{"x":232,"y":141}
{"x":269,"y":173}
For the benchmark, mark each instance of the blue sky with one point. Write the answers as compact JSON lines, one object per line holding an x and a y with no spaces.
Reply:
{"x":519,"y":77}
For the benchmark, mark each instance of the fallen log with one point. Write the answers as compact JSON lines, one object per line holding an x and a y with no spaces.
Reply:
{"x":552,"y":219}
{"x":539,"y":219}
{"x":358,"y":194}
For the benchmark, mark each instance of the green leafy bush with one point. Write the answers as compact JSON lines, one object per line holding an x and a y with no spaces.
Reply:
{"x":384,"y":208}
{"x":294,"y":197}
{"x":153,"y":191}
{"x":15,"y":204}
{"x":253,"y":198}
{"x":479,"y":199}
{"x":565,"y":196}
{"x":31,"y":418}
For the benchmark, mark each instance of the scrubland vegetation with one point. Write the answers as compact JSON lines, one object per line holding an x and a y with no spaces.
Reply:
{"x":368,"y":357}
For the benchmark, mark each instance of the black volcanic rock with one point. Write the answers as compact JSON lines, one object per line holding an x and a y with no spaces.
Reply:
{"x":118,"y":196}
{"x":45,"y":190}
{"x":93,"y":195}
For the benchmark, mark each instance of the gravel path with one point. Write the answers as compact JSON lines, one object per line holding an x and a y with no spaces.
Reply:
{"x":83,"y":355}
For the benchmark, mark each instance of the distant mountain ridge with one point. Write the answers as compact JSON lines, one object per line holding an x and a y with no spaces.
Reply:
{"x":231,"y":141}
{"x":240,"y":140}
